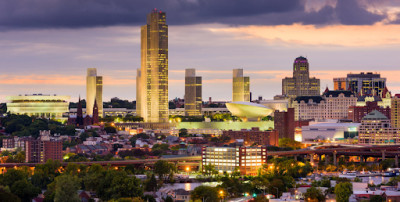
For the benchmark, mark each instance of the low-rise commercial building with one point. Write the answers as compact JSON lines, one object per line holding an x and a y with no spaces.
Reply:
{"x":248,"y":160}
{"x":375,"y":128}
{"x":329,"y":131}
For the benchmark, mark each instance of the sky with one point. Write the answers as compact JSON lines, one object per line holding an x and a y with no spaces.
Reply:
{"x":47,"y":45}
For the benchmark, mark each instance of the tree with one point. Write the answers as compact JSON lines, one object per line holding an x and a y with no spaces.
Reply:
{"x":314,"y":194}
{"x":343,"y":191}
{"x":209,"y":169}
{"x":204,"y":193}
{"x":151,"y":184}
{"x":110,"y":129}
{"x":164,"y":170}
{"x":377,"y":198}
{"x":66,"y":188}
{"x":6,"y":196}
{"x":287,"y":142}
{"x":12,"y":176}
{"x":116,"y":184}
{"x":24,"y":190}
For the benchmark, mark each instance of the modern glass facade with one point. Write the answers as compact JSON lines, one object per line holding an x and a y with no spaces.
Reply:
{"x":94,"y":91}
{"x":152,"y":79}
{"x":193,"y":94}
{"x":240,"y":87}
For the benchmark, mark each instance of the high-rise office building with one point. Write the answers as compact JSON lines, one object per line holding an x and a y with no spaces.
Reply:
{"x":193,"y":94}
{"x":94,"y":91}
{"x":395,"y":111}
{"x":300,"y":84}
{"x":152,"y":78}
{"x":240,"y":87}
{"x":363,"y":84}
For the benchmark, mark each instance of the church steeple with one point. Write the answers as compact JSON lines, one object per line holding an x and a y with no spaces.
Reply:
{"x":79,"y":114}
{"x":95,"y":118}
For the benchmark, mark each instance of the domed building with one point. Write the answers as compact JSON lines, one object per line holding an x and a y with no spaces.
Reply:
{"x":249,"y":111}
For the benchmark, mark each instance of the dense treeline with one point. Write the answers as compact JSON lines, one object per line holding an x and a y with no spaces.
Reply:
{"x":109,"y":183}
{"x":23,"y":125}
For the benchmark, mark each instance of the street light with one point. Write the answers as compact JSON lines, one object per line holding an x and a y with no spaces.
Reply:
{"x":221,"y":193}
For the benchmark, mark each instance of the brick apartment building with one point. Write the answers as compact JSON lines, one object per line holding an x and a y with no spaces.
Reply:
{"x":356,"y":113}
{"x":284,"y":123}
{"x":42,"y":149}
{"x":255,"y":136}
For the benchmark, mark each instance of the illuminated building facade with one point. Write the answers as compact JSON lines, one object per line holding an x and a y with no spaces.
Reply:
{"x":395,"y":111}
{"x":254,"y":136}
{"x":248,"y":160}
{"x":363,"y":84}
{"x":152,"y":78}
{"x":40,"y":105}
{"x":94,"y":91}
{"x":375,"y":128}
{"x":193,"y":94}
{"x":300,"y":84}
{"x":331,"y":105}
{"x":240,"y":86}
{"x":42,"y":149}
{"x":339,"y":84}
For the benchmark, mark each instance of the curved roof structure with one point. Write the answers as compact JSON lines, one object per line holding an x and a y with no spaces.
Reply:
{"x":248,"y":110}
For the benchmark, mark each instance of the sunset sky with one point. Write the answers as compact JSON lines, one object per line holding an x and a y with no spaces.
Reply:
{"x":46,"y":45}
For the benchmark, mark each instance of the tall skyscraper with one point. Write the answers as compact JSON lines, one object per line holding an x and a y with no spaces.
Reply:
{"x":300,"y":84}
{"x":94,"y":91}
{"x":193,"y":94}
{"x":240,"y":87}
{"x":152,"y":78}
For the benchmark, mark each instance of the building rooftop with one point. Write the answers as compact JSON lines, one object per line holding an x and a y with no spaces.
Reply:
{"x":336,"y":93}
{"x":375,"y":115}
{"x":306,"y":99}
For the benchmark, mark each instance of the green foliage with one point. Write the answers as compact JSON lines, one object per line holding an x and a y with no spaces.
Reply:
{"x":324,"y":182}
{"x":314,"y":193}
{"x":24,"y":190}
{"x":204,"y":193}
{"x":117,"y":184}
{"x":387,"y":163}
{"x":235,"y":186}
{"x":23,"y":125}
{"x":164,"y":170}
{"x":66,"y":188}
{"x":183,"y":132}
{"x":110,"y":129}
{"x":159,"y":149}
{"x":287,"y":142}
{"x":12,"y":176}
{"x":6,"y":196}
{"x":290,"y":167}
{"x":151,"y":184}
{"x":377,"y":198}
{"x":343,"y":191}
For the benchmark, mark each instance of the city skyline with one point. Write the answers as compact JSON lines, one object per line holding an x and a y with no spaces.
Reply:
{"x":59,"y":54}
